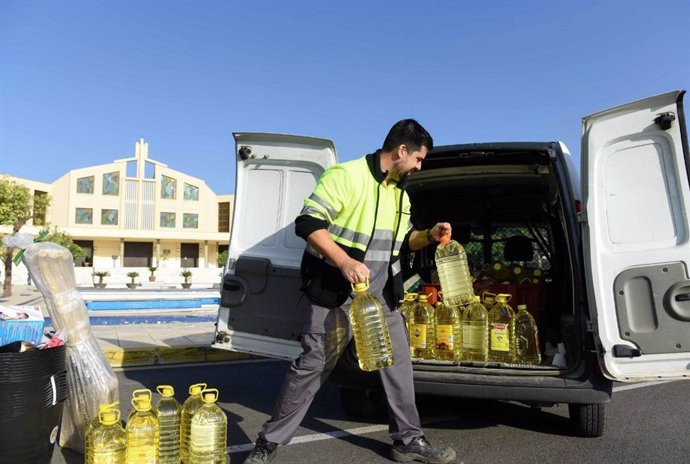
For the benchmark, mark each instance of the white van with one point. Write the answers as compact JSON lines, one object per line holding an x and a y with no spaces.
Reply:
{"x":615,"y":250}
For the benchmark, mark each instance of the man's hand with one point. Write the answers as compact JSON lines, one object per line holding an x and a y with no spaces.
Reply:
{"x":439,"y":230}
{"x":354,"y":271}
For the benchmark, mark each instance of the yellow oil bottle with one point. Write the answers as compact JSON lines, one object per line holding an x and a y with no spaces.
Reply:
{"x":448,"y":332}
{"x":143,"y":434}
{"x":527,"y":349}
{"x":106,"y":442}
{"x":501,"y":330}
{"x":209,"y":429}
{"x":169,"y":413}
{"x":370,"y":330}
{"x":140,"y":393}
{"x":191,"y":404}
{"x":475,"y":332}
{"x":422,"y":330}
{"x":407,"y":310}
{"x":453,"y":272}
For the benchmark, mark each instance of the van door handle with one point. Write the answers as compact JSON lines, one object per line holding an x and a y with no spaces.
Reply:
{"x":676,"y":300}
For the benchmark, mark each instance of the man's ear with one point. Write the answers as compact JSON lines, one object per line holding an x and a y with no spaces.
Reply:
{"x":401,"y":152}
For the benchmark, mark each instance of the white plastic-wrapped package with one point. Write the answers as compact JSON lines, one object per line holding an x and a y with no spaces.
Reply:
{"x":90,"y":379}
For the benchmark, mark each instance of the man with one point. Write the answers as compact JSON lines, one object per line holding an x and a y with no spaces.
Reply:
{"x":356,"y":223}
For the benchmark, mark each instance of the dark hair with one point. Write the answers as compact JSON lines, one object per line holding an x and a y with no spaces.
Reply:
{"x":410,"y":133}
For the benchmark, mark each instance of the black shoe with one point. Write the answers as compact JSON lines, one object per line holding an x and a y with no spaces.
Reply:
{"x":419,"y":449}
{"x":264,"y":451}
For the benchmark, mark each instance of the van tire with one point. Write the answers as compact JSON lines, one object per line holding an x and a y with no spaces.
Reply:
{"x":362,"y":403}
{"x":588,"y":420}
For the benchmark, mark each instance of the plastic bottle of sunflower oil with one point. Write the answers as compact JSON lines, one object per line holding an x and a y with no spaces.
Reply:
{"x":526,"y":337}
{"x":209,"y":431}
{"x":488,"y":300}
{"x":502,"y":330}
{"x":143,"y":434}
{"x":169,"y":414}
{"x":422,"y":330}
{"x":370,"y":330}
{"x":453,"y":272}
{"x":448,"y":332}
{"x":190,"y":406}
{"x":106,"y":442}
{"x":475,"y":332}
{"x":407,"y":310}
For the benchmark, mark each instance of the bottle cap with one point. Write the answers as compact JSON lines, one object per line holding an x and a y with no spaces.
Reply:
{"x":522,"y":306}
{"x":141,"y":403}
{"x":166,"y":390}
{"x":503,"y":297}
{"x":210,"y":395}
{"x":109,"y":417}
{"x":197,"y":388}
{"x":476,"y":299}
{"x":142,"y":393}
{"x":107,"y":406}
{"x":423,"y":298}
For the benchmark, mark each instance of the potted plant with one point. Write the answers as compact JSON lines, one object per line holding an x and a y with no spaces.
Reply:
{"x":187,"y":274}
{"x":132,"y":275}
{"x":152,"y":270}
{"x":100,"y":275}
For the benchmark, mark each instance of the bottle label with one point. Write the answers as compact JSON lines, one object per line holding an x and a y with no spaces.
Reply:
{"x":471,"y":337}
{"x":444,"y":338}
{"x":418,"y":335}
{"x":499,"y":337}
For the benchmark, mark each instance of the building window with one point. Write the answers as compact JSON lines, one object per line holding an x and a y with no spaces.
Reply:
{"x":84,"y":216}
{"x":167,"y":219}
{"x":111,"y":183}
{"x":85,"y":184}
{"x":109,"y":217}
{"x":190,"y":221}
{"x":191,"y":192}
{"x":168,"y":187}
{"x":224,"y":217}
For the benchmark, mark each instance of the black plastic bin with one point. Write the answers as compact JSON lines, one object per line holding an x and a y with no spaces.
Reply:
{"x":33,"y":388}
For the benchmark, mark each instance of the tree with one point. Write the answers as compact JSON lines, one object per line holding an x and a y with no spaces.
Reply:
{"x":222,"y":258}
{"x":64,"y":239}
{"x":18,"y":205}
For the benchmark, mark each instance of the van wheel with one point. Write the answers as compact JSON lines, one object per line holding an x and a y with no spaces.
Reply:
{"x":362,"y":403}
{"x":588,"y":420}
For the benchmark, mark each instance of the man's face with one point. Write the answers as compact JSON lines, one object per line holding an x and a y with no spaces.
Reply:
{"x":408,"y":162}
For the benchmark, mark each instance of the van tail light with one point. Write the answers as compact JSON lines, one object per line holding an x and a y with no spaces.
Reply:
{"x":594,"y":358}
{"x":578,"y":206}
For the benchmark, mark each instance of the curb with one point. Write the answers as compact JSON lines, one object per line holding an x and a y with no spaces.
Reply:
{"x":166,"y":355}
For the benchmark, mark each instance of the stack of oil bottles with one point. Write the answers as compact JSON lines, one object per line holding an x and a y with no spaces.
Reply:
{"x":194,"y":432}
{"x":462,"y":327}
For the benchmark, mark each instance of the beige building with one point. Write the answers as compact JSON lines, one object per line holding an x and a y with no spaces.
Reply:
{"x":135,"y":213}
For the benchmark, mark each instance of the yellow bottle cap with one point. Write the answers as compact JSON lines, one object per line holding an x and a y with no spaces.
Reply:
{"x":210,"y":395}
{"x":423,"y":298}
{"x":522,"y":307}
{"x":109,"y":417}
{"x":141,"y":404}
{"x":166,"y":390}
{"x":503,"y":297}
{"x":197,"y":388}
{"x":476,"y":299}
{"x":107,"y":406}
{"x":142,"y":392}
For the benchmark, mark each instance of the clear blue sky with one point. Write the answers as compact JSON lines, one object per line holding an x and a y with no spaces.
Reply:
{"x":82,"y":80}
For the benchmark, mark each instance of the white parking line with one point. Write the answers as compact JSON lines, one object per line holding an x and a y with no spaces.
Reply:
{"x":633,"y":386}
{"x":338,"y":434}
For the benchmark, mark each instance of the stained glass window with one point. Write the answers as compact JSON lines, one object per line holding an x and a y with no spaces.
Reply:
{"x":191,"y":192}
{"x":168,"y":187}
{"x":109,"y":217}
{"x":111,"y":183}
{"x":85,"y":184}
{"x":83,"y":216}
{"x":190,"y":221}
{"x":167,"y":219}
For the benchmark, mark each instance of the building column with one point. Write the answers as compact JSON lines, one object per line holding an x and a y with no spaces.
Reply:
{"x":122,"y":252}
{"x":206,"y":253}
{"x":158,"y":252}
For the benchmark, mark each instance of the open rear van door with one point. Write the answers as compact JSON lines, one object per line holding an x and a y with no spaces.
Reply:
{"x":637,"y":237}
{"x":275,"y":174}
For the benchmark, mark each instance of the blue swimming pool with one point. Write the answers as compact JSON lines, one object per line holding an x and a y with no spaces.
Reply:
{"x":152,"y":304}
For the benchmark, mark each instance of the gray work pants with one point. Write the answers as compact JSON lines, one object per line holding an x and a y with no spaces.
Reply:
{"x":325,"y":335}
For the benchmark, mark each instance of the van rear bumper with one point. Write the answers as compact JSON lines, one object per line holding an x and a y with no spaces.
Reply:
{"x":540,"y":389}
